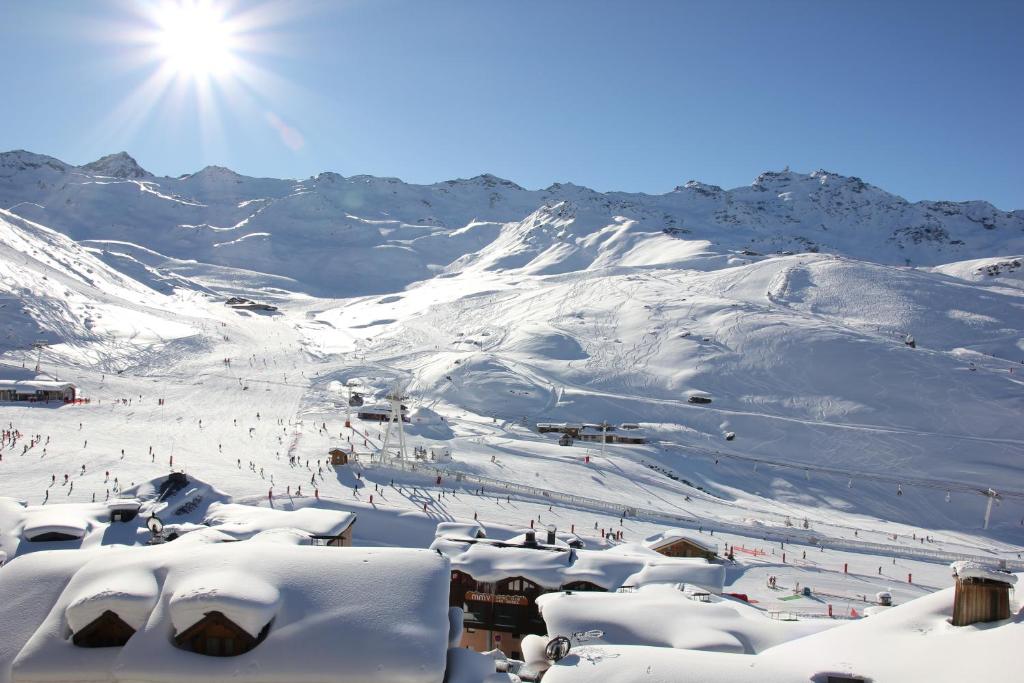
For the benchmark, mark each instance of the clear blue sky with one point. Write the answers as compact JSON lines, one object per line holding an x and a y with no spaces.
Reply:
{"x":925,"y":99}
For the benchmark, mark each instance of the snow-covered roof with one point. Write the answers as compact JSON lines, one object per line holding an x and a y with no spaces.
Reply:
{"x":965,"y":569}
{"x":248,"y":601}
{"x":460,"y":530}
{"x":245,"y":521}
{"x":188,"y":532}
{"x":124,"y":504}
{"x":130,"y":594}
{"x":55,"y":520}
{"x":664,"y":616}
{"x":88,"y":521}
{"x":688,"y":570}
{"x":375,"y":410}
{"x":665,"y":538}
{"x":555,"y":566}
{"x":910,"y":642}
{"x":352,"y":614}
{"x":34,"y":385}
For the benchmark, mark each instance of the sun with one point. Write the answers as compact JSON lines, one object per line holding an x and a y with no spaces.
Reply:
{"x":200,"y":60}
{"x":195,"y":40}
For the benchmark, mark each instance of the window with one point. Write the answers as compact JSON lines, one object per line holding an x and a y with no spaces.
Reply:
{"x":217,"y":636}
{"x":107,"y":630}
{"x":582,"y":586}
{"x":519,"y":585}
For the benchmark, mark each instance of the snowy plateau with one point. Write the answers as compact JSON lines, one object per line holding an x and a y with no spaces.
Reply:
{"x":824,"y":381}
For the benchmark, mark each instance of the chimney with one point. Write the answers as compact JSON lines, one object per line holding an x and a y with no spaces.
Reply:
{"x":982,"y":594}
{"x":531,"y":539}
{"x":552,"y":539}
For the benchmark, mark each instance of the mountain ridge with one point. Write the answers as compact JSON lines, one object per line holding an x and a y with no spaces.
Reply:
{"x":305,"y":229}
{"x":489,"y":179}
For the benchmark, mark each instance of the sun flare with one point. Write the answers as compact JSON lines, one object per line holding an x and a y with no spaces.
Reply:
{"x":195,"y":40}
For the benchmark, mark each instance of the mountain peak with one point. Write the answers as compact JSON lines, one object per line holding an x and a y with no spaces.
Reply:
{"x":700,"y":188}
{"x":21,"y":160}
{"x":119,"y":165}
{"x":214,"y":173}
{"x":488,"y":180}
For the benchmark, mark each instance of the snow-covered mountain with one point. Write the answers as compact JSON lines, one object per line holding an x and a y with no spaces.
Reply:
{"x":310,"y":230}
{"x":56,"y":291}
{"x":787,"y":302}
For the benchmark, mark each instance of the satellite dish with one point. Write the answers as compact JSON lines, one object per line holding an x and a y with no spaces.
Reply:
{"x":557,"y":648}
{"x":155,"y":525}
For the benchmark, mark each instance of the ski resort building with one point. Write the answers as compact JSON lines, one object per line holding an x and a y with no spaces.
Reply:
{"x":627,"y":432}
{"x":675,"y":543}
{"x":497,"y":583}
{"x":380,"y":413}
{"x":338,"y":456}
{"x":37,"y":391}
{"x":630,"y":433}
{"x":568,"y":428}
{"x":595,"y":433}
{"x":241,"y":304}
